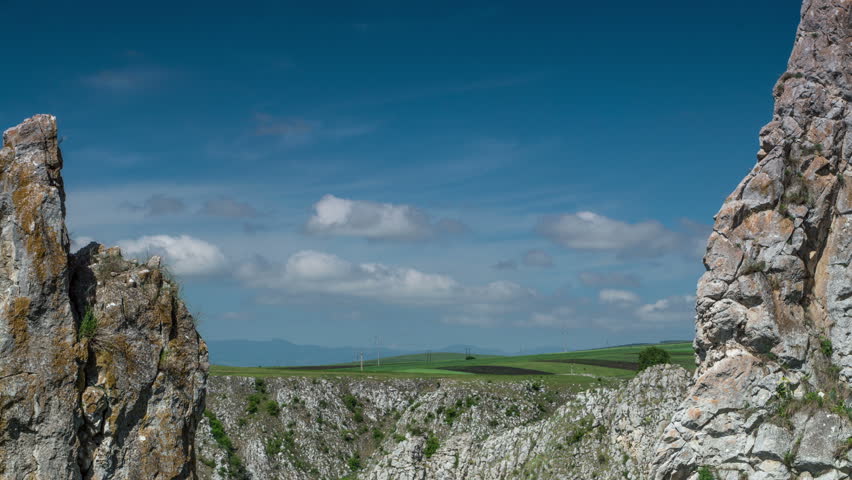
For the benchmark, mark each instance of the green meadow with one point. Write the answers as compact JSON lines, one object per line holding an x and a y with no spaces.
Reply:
{"x":578,"y":368}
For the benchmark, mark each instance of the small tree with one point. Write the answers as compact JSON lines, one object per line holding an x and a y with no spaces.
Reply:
{"x":89,"y":325}
{"x":650,"y":356}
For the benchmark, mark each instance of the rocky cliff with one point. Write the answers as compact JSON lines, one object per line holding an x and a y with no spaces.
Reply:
{"x":405,"y":429}
{"x":102,"y":373}
{"x":771,"y":398}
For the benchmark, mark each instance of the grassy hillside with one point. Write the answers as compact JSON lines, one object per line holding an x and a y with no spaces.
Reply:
{"x":578,"y":368}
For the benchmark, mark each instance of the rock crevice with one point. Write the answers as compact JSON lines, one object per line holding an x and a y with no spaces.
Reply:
{"x":773,"y":328}
{"x":102,"y":373}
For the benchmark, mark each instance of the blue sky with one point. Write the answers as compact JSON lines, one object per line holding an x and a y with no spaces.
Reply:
{"x":493,"y":173}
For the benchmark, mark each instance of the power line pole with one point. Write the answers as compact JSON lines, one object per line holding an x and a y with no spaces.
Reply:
{"x":362,"y":361}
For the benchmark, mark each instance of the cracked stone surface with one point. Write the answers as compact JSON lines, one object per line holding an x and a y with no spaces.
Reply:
{"x":121,"y":402}
{"x":774,"y":327}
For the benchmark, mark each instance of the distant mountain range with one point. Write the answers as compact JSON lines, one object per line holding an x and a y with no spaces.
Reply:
{"x":277,"y":352}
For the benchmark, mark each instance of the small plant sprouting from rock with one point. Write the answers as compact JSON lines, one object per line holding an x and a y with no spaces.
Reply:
{"x":273,"y":446}
{"x":89,"y":325}
{"x":354,"y":463}
{"x":272,"y":408}
{"x":352,"y":405}
{"x":704,"y":473}
{"x":826,"y":347}
{"x":259,"y":385}
{"x":432,"y":445}
{"x":789,"y":458}
{"x":234,"y":469}
{"x":650,"y":356}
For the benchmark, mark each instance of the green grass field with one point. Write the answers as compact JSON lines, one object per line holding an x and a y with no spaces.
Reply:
{"x":579,"y":368}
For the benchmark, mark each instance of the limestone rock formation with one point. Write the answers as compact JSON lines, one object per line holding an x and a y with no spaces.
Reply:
{"x":771,"y":398}
{"x":102,"y":373}
{"x":407,"y":429}
{"x":38,"y":345}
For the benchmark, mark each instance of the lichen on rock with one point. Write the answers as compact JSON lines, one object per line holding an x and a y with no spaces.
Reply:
{"x":774,"y":328}
{"x":92,"y":401}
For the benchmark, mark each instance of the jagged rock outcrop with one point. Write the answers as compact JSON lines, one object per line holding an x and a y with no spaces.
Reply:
{"x":102,"y":373}
{"x":406,"y":429}
{"x":771,"y":398}
{"x":38,"y":344}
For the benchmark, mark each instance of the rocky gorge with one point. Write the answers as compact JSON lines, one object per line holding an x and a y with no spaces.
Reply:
{"x":103,"y":374}
{"x":770,"y":398}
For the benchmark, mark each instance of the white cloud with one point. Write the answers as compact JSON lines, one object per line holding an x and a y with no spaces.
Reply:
{"x":310,"y":271}
{"x":185,"y":255}
{"x":376,"y":221}
{"x":674,"y":309}
{"x":611,"y":295}
{"x":614,"y":310}
{"x":590,"y":231}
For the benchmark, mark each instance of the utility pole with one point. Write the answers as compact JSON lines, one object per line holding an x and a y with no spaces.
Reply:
{"x":378,"y":342}
{"x":362,"y":361}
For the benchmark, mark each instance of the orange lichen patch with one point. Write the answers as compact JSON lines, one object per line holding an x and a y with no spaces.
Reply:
{"x":694,"y":413}
{"x":767,"y":227}
{"x":119,"y":345}
{"x":106,"y":369}
{"x":64,"y":355}
{"x":41,"y":242}
{"x":17,"y":315}
{"x":162,"y":317}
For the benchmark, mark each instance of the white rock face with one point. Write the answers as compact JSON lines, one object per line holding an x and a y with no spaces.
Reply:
{"x":774,"y":328}
{"x":478,"y":430}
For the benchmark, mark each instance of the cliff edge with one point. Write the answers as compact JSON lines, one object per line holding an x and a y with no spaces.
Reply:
{"x":102,"y":373}
{"x":771,"y":398}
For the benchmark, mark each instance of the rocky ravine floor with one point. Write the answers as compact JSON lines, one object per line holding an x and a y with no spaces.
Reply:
{"x":403,"y":429}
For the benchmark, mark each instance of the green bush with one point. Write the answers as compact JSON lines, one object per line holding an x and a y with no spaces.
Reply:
{"x":704,"y":473}
{"x":89,"y":325}
{"x":259,"y":385}
{"x":234,"y":468}
{"x":350,"y":402}
{"x":826,"y":347}
{"x":432,"y":444}
{"x":272,"y":408}
{"x":273,"y":446}
{"x":650,"y":356}
{"x":354,"y":463}
{"x":254,"y":401}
